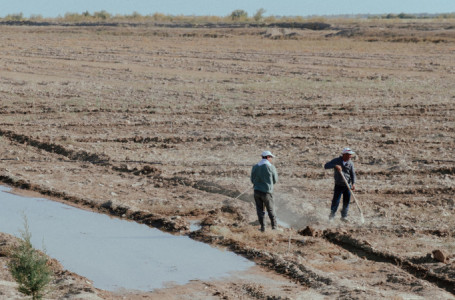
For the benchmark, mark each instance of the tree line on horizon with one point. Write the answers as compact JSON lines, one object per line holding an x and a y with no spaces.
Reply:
{"x":236,"y":16}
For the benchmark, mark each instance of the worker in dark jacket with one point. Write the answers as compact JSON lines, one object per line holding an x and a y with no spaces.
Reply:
{"x":342,"y":164}
{"x":264,"y":176}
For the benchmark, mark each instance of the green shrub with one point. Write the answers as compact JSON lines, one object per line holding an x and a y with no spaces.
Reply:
{"x":159,"y":17}
{"x":259,"y":15}
{"x":29,"y":267}
{"x":15,"y":17}
{"x":74,"y":17}
{"x":36,"y":17}
{"x":134,"y":16}
{"x":239,"y":15}
{"x":103,"y":15}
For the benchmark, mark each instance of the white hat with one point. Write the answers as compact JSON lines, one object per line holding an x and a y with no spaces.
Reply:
{"x":267,"y":153}
{"x":347,"y":151}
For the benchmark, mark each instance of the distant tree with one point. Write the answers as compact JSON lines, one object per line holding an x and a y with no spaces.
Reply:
{"x":36,"y":17}
{"x":406,"y":16}
{"x":15,"y":17}
{"x":446,"y":16}
{"x":270,"y":19}
{"x":134,"y":15}
{"x":73,"y":17}
{"x":159,"y":17}
{"x":239,"y":15}
{"x":29,"y":267}
{"x":103,"y":15}
{"x":259,"y":15}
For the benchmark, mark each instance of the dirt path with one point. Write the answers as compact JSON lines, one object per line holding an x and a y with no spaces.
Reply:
{"x":162,"y":126}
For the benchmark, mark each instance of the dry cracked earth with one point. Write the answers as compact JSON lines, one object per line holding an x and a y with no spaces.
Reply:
{"x":162,"y":125}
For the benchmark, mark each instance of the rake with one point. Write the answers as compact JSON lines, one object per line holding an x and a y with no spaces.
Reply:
{"x":362,"y":219}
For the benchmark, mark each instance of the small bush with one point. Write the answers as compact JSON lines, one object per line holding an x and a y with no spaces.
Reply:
{"x":103,"y":15}
{"x":36,"y":17}
{"x":158,"y":17}
{"x":239,"y":15}
{"x":134,"y":16}
{"x":29,"y":267}
{"x":259,"y":15}
{"x":15,"y":17}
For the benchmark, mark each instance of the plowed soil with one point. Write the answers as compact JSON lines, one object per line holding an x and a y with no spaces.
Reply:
{"x":162,"y":126}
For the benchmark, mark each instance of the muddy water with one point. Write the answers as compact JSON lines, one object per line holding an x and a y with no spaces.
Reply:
{"x":113,"y":253}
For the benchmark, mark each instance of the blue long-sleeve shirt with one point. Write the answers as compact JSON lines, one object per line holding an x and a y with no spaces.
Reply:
{"x":348,"y":171}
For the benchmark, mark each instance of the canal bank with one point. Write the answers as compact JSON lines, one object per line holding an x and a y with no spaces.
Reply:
{"x":113,"y":253}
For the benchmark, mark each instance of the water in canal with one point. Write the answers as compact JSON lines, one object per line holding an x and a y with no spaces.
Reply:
{"x":113,"y":253}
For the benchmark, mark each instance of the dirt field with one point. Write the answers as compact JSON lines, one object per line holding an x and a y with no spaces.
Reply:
{"x":162,"y":126}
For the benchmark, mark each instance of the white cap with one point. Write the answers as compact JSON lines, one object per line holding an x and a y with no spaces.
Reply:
{"x":347,"y":151}
{"x":267,"y":153}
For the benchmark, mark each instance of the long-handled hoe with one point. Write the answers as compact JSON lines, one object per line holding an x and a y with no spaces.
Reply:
{"x":243,"y":192}
{"x":362,"y":219}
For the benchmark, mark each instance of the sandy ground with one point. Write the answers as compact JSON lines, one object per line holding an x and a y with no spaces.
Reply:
{"x":162,"y":126}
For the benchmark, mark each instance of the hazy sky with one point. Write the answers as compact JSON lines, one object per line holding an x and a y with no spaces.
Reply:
{"x":53,"y":8}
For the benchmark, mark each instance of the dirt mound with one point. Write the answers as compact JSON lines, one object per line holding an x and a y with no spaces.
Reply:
{"x":280,"y":33}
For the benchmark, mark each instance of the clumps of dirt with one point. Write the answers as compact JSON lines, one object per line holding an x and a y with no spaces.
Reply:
{"x":350,"y":32}
{"x":23,"y":184}
{"x":310,"y":231}
{"x":217,"y":217}
{"x":281,"y":34}
{"x":418,"y":40}
{"x":447,"y":270}
{"x":235,"y":212}
{"x":166,"y":223}
{"x":55,"y":148}
{"x":146,"y":140}
{"x":145,"y":170}
{"x":364,"y":249}
{"x":441,"y":232}
{"x":170,"y":224}
{"x":114,"y":208}
{"x":444,"y":170}
{"x":257,"y":291}
{"x":211,"y":218}
{"x":305,"y":275}
{"x":304,"y":25}
{"x":440,"y":256}
{"x":194,"y":213}
{"x":416,"y":191}
{"x":212,"y":187}
{"x":400,"y":279}
{"x":395,"y":34}
{"x":229,"y":215}
{"x":426,"y":259}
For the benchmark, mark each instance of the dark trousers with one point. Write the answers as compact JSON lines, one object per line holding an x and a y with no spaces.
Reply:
{"x":338,"y":191}
{"x":264,"y":201}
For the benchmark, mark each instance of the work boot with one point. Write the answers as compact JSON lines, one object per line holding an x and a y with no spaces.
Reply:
{"x":345,"y":219}
{"x":331,"y":216}
{"x":273,"y":221}
{"x":261,"y":222}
